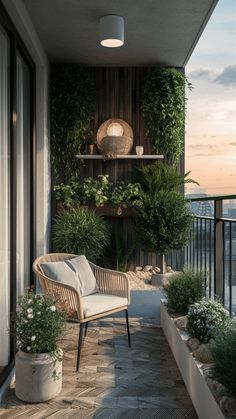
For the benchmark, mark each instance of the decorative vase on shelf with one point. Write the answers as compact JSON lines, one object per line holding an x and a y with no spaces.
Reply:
{"x":139,"y":150}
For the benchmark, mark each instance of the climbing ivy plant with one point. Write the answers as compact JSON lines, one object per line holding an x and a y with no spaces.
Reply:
{"x":164,"y":111}
{"x":72,"y":118}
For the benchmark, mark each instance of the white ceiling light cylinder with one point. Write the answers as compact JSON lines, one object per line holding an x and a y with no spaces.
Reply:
{"x":112,"y":31}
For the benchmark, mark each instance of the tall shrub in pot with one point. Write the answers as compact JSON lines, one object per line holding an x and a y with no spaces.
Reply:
{"x":38,"y":324}
{"x":163,"y":223}
{"x":164,"y":220}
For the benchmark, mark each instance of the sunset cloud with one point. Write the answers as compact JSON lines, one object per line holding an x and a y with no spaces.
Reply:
{"x":202,"y":73}
{"x":228,"y":76}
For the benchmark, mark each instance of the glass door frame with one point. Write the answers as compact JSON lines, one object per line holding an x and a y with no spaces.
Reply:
{"x":16,"y":45}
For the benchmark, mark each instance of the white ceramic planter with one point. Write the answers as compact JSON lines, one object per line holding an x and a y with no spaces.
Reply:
{"x":202,"y":398}
{"x":35,"y":377}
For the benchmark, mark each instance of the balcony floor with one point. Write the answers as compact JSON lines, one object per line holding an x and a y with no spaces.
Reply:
{"x":114,"y":381}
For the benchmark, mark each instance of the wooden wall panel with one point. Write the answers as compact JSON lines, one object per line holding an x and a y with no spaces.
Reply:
{"x":119,"y":92}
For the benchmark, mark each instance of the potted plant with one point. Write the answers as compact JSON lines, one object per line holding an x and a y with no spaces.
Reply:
{"x":91,"y":146}
{"x":38,"y":324}
{"x":164,"y":219}
{"x":91,"y":229}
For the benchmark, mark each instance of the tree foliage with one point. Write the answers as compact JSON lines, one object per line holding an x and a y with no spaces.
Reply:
{"x":163,"y":223}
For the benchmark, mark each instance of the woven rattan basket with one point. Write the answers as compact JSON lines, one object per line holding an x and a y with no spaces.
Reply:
{"x":114,"y":144}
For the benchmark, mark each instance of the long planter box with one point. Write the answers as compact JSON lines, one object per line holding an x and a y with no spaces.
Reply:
{"x":202,"y":398}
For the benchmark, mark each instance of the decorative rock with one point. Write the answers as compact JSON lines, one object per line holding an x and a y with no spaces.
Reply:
{"x":181,"y":322}
{"x":203,"y":353}
{"x":138,"y":268}
{"x":147,"y":268}
{"x":153,"y":271}
{"x":208,"y":372}
{"x":228,"y":406}
{"x":193,"y":344}
{"x":157,"y":269}
{"x":169,"y":268}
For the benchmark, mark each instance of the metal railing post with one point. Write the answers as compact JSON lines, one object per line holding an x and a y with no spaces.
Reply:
{"x":218,"y":260}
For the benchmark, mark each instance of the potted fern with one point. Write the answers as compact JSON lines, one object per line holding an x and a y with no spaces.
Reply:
{"x":37,"y":325}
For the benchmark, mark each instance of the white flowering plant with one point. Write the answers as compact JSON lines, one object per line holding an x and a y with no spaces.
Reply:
{"x":38,"y":324}
{"x":205,"y":318}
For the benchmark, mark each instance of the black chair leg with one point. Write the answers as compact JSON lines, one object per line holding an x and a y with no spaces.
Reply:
{"x":127,"y":324}
{"x":86,"y":327}
{"x":81,"y":330}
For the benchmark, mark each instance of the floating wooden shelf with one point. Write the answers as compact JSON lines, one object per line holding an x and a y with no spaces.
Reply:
{"x":128,"y":156}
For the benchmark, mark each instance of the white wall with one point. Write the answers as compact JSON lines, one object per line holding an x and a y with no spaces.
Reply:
{"x":20,"y":17}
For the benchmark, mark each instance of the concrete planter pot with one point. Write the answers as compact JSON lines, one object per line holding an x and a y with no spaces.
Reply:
{"x":38,"y":376}
{"x":203,"y":400}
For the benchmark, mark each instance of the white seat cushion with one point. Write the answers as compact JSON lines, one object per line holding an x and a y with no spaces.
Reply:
{"x":99,"y":303}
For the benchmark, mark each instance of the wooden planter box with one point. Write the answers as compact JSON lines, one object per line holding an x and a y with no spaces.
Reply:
{"x":203,"y":400}
{"x":105,"y":211}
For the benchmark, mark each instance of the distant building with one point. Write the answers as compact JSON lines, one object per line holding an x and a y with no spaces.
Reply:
{"x":202,"y":208}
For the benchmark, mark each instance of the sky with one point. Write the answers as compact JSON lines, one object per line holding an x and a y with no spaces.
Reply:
{"x":211,"y":106}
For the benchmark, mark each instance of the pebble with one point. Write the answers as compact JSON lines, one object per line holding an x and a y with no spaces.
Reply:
{"x":193,"y":344}
{"x":181,"y":322}
{"x":203,"y":353}
{"x":147,"y":268}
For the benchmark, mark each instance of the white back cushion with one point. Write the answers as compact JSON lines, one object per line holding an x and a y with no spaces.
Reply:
{"x":75,"y":272}
{"x":84,"y":274}
{"x":60,"y":271}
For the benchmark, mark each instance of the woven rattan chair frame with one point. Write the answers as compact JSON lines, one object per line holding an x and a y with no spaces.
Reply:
{"x":108,"y":282}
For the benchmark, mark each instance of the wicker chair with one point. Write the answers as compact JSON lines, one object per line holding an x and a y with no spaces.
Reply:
{"x":108,"y":281}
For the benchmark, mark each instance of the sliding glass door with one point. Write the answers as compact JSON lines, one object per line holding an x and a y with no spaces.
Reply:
{"x":16,"y":180}
{"x":23,"y":146}
{"x":4,"y":197}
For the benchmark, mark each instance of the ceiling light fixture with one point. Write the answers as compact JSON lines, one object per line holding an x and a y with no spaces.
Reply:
{"x":111,"y":31}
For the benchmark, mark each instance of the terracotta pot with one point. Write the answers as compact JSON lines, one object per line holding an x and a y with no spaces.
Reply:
{"x":38,"y":376}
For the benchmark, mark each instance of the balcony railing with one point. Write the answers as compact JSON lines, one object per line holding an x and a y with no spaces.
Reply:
{"x":212,"y":248}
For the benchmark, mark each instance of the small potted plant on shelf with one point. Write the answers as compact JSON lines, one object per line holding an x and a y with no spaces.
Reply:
{"x":37,"y":325}
{"x":91,"y":146}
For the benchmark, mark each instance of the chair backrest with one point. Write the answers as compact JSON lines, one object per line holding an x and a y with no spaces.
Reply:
{"x":50,"y":287}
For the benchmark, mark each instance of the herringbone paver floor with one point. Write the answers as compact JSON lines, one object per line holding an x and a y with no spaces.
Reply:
{"x":114,"y":381}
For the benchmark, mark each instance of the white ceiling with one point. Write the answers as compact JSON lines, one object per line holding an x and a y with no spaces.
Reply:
{"x":157,"y":32}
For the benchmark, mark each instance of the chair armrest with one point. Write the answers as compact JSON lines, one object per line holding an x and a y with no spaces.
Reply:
{"x":65,"y":296}
{"x":111,"y":282}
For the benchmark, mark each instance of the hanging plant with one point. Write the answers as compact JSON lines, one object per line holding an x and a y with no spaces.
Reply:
{"x":164,"y":111}
{"x":72,"y":118}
